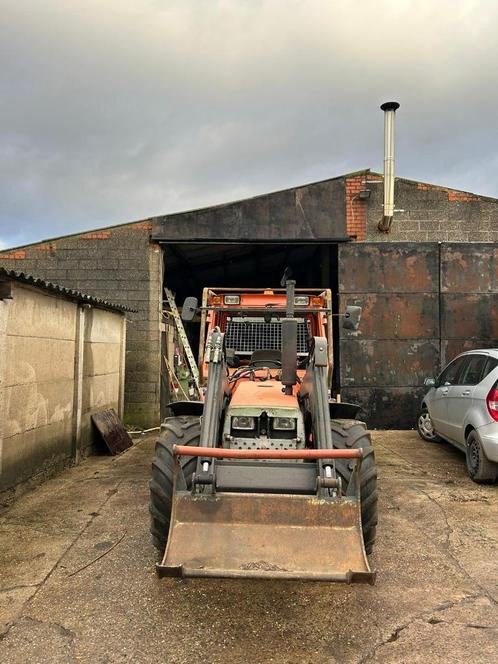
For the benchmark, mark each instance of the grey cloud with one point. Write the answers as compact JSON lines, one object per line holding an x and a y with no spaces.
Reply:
{"x":121,"y":110}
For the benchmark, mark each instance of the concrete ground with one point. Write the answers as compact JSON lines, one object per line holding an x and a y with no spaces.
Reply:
{"x":78,"y":581}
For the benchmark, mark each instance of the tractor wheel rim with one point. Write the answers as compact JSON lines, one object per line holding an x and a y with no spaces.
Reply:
{"x":425,"y":425}
{"x":473,"y":455}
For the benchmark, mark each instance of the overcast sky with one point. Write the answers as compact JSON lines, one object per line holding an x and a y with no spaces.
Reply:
{"x":115,"y":110}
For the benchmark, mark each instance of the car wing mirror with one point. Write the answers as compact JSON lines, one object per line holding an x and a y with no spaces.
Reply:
{"x":430,"y":382}
{"x":189,"y":309}
{"x":351,"y":319}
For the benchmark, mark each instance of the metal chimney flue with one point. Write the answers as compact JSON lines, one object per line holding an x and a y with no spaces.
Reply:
{"x":389,"y":108}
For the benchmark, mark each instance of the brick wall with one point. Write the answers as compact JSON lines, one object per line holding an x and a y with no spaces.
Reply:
{"x":356,"y":209}
{"x":432,"y":214}
{"x":122,"y":266}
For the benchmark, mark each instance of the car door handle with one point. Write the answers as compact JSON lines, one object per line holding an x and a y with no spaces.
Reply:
{"x":465,"y":393}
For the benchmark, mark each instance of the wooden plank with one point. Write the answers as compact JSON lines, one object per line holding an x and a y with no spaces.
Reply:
{"x":112,"y":431}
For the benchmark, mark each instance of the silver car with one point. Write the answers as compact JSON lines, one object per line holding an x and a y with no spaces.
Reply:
{"x":462,"y":408}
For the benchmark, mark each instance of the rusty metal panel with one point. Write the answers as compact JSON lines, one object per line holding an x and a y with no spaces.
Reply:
{"x":397,"y":267}
{"x":394,"y":315}
{"x":383,"y":364}
{"x":450,"y":348}
{"x":422,"y":305}
{"x":387,"y":362}
{"x":469,"y":316}
{"x":387,"y":407}
{"x":469,"y":298}
{"x":469,"y":267}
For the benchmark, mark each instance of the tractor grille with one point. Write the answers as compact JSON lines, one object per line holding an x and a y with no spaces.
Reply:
{"x":246,"y":335}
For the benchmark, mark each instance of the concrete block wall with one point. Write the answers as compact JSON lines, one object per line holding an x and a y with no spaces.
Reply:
{"x":60,"y":361}
{"x":118,"y":264}
{"x":431,"y":214}
{"x":102,"y":372}
{"x":36,"y":384}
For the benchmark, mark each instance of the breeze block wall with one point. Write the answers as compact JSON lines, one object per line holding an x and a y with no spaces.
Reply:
{"x":431,"y":213}
{"x":121,"y":265}
{"x":104,"y":339}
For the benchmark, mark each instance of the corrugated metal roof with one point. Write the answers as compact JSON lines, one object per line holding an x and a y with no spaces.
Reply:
{"x":68,"y":293}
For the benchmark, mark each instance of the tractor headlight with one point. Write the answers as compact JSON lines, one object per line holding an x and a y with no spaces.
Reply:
{"x":301,"y":300}
{"x":284,"y":423}
{"x":243,"y":422}
{"x":232,"y":299}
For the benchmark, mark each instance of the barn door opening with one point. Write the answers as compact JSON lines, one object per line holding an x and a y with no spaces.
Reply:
{"x":190,"y":267}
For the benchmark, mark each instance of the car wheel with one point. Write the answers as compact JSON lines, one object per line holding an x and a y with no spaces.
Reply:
{"x":425,"y":428}
{"x":480,"y":469}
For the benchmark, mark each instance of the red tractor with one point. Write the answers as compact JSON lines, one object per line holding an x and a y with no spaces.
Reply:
{"x":267,"y":475}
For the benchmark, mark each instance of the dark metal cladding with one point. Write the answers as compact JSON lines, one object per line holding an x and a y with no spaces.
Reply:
{"x":422,"y":305}
{"x":469,"y":267}
{"x":387,"y":362}
{"x":397,"y":267}
{"x":469,"y":316}
{"x":469,"y":298}
{"x":387,"y":407}
{"x":453,"y":347}
{"x":383,"y":364}
{"x":311,"y":212}
{"x":394,"y":315}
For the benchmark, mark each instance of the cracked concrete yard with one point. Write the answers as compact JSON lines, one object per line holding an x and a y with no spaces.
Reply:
{"x":78,"y":583}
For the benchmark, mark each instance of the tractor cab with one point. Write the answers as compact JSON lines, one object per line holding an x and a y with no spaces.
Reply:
{"x":251,"y":321}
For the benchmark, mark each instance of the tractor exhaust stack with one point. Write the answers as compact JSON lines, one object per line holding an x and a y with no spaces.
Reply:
{"x":389,"y":108}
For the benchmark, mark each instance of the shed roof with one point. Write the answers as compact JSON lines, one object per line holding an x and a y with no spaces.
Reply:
{"x":220,"y":206}
{"x":68,"y":293}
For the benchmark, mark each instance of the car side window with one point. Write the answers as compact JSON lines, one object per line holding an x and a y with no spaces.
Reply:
{"x":472,"y":372}
{"x":491,"y":363}
{"x":450,"y":375}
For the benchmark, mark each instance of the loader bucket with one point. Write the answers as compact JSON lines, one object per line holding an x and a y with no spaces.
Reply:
{"x":254,"y":535}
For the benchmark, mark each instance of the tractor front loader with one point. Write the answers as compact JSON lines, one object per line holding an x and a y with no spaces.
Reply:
{"x":267,"y":477}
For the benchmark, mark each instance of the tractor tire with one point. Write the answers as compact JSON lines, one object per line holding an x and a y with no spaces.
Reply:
{"x":183,"y":430}
{"x":481,"y":470}
{"x":349,"y":434}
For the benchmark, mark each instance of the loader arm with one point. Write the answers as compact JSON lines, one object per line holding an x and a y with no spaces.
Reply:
{"x":314,"y":394}
{"x":266,"y":513}
{"x":215,"y":390}
{"x":264,"y":484}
